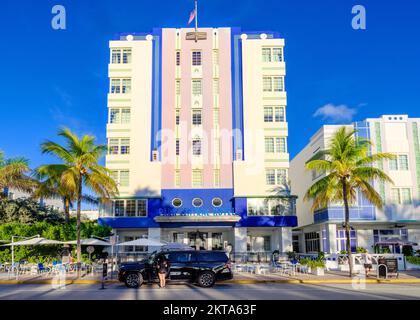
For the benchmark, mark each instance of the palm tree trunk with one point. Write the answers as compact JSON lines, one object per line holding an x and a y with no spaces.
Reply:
{"x":78,"y":227}
{"x":347,"y":226}
{"x":67,"y":209}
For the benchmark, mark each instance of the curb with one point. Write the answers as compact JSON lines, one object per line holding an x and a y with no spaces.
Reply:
{"x":295,"y":281}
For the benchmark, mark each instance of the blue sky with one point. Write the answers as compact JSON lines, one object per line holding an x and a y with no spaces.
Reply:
{"x":53,"y":78}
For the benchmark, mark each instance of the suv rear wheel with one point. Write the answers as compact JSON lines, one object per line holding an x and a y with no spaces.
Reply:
{"x":206,"y":279}
{"x":133,"y":280}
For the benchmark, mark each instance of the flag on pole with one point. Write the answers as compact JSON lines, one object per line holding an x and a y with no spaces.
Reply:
{"x":192,"y":16}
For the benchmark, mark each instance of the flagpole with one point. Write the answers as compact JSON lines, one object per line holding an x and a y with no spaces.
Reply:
{"x":196,"y":21}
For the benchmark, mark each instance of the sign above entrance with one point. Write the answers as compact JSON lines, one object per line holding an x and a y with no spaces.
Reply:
{"x":171,"y":212}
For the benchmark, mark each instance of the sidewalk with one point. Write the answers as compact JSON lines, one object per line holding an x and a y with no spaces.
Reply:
{"x":409,"y":277}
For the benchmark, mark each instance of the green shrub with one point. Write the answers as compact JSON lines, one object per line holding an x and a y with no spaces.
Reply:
{"x":361,"y":250}
{"x":413,"y":260}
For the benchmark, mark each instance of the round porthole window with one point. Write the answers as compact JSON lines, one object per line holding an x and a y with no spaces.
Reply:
{"x":177,"y":202}
{"x":197,"y":202}
{"x":217,"y":202}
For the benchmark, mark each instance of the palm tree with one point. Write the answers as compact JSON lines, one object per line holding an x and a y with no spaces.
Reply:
{"x":348,"y":168}
{"x":79,"y":168}
{"x":14,"y":174}
{"x":50,"y":186}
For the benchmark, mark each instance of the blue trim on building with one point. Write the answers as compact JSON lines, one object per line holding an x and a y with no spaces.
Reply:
{"x":237,"y":93}
{"x":231,"y":206}
{"x":156,"y":93}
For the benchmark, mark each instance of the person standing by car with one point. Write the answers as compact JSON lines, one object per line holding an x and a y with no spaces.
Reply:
{"x":162,"y":270}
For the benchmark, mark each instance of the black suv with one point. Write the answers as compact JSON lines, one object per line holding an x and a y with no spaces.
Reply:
{"x":201,"y":267}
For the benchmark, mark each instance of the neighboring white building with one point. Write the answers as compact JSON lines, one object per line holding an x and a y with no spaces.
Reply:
{"x":56,"y":204}
{"x":91,"y":214}
{"x":323,"y":230}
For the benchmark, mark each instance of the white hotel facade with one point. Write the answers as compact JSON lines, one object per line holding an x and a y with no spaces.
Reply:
{"x":197,"y":136}
{"x":323,"y":230}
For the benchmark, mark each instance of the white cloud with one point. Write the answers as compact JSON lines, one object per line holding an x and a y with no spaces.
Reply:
{"x":339,"y":113}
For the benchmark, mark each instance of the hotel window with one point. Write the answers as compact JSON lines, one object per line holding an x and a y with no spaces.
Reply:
{"x":267,"y":84}
{"x":274,"y":114}
{"x":268,"y":114}
{"x":269,"y":145}
{"x":142,"y":208}
{"x":125,"y":116}
{"x":197,"y":178}
{"x":177,"y":178}
{"x":401,"y":196}
{"x":196,"y":144}
{"x":115,"y":56}
{"x":125,"y":146}
{"x":276,"y":177}
{"x":130,"y":209}
{"x":115,"y":86}
{"x":113,"y":146}
{"x":259,"y":243}
{"x":216,"y":177}
{"x":278,"y":84}
{"x":312,"y":243}
{"x":270,"y":176}
{"x":114,"y":116}
{"x":124,"y":178}
{"x":272,"y":54}
{"x":197,"y":88}
{"x":119,"y":208}
{"x":120,"y":86}
{"x":196,"y":58}
{"x":121,"y":177}
{"x":215,"y":57}
{"x":177,"y":117}
{"x":178,"y":58}
{"x":400,"y":163}
{"x":342,"y":240}
{"x":216,"y":86}
{"x":119,"y":146}
{"x":126,"y":56}
{"x":177,"y":147}
{"x":271,"y":84}
{"x":178,"y":87}
{"x":277,"y":54}
{"x":279,"y":114}
{"x":275,"y":145}
{"x":126,"y":86}
{"x":196,"y":117}
{"x":266,"y":54}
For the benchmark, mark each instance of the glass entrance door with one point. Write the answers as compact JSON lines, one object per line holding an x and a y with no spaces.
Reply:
{"x":198,"y":240}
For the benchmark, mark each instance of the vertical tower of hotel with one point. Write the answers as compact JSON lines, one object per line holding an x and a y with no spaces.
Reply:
{"x":197,"y":136}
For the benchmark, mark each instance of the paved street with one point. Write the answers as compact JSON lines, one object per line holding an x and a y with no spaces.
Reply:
{"x":221,"y":291}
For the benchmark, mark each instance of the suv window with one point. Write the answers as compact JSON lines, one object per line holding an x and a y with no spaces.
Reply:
{"x":181,"y":257}
{"x":212,"y":257}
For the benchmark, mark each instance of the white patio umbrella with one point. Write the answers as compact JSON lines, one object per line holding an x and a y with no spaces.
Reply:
{"x":90,"y":242}
{"x":142,"y":242}
{"x":33,"y":242}
{"x":38,"y":241}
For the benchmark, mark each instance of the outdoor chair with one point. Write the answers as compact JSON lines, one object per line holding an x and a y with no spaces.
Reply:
{"x":42,"y":269}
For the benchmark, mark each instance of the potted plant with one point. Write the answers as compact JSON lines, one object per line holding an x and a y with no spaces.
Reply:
{"x":317,"y":267}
